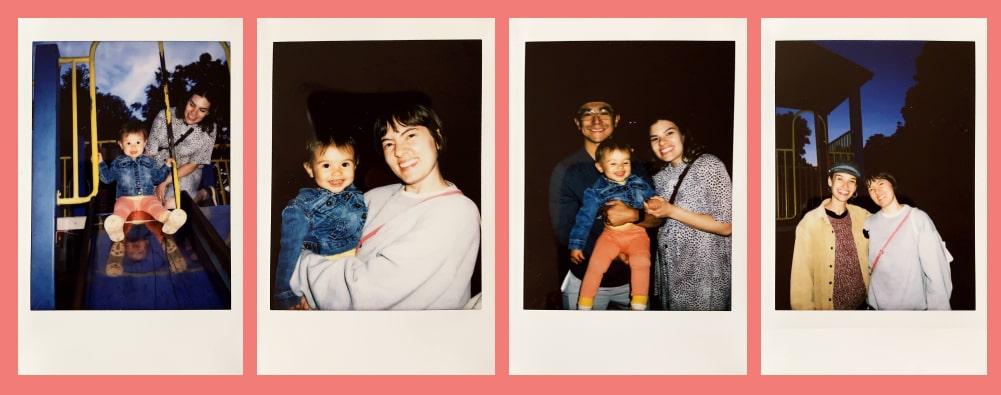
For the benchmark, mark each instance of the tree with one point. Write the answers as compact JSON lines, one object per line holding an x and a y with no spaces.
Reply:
{"x":112,"y":111}
{"x":183,"y":78}
{"x":785,"y":137}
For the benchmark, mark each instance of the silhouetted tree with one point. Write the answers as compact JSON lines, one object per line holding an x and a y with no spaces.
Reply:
{"x":112,"y":111}
{"x":931,"y":154}
{"x":785,"y":138}
{"x":183,"y":78}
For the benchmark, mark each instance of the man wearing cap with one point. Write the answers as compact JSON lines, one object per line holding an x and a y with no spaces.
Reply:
{"x":596,"y":120}
{"x":831,"y":256}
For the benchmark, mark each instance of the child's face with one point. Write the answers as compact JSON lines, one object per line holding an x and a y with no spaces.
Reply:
{"x":137,"y":250}
{"x":134,"y":144}
{"x":333,"y":168}
{"x":616,"y":165}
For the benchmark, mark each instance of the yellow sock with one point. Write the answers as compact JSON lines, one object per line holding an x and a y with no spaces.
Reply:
{"x":638,"y":302}
{"x":585,"y":303}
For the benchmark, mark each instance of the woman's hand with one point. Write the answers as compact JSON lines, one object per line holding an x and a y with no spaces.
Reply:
{"x":171,"y":162}
{"x":577,"y":256}
{"x":659,"y":207}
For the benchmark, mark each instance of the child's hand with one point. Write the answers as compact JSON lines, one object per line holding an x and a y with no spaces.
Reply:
{"x":577,"y":256}
{"x":623,"y":257}
{"x":303,"y":305}
{"x":100,"y":158}
{"x":170,"y":162}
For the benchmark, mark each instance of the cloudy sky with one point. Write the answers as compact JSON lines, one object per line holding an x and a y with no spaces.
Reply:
{"x":125,"y":68}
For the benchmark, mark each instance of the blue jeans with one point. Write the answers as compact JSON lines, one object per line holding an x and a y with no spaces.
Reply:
{"x":616,"y":297}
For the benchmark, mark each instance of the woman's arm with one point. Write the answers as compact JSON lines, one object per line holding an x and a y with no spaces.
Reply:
{"x":718,"y":190}
{"x":415,"y":262}
{"x":703,"y":222}
{"x":934,"y":265}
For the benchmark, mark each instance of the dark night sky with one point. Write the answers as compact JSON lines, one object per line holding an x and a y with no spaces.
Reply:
{"x":893,"y":68}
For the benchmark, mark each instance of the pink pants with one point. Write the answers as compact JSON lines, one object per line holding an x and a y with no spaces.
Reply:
{"x":632,"y":241}
{"x":125,"y":205}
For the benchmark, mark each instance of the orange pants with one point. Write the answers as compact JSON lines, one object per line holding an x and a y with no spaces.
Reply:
{"x":631,"y":240}
{"x":126,"y":205}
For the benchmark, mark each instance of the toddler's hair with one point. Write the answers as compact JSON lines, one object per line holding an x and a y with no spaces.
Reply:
{"x":314,"y":144}
{"x":132,"y":127}
{"x":610,"y":145}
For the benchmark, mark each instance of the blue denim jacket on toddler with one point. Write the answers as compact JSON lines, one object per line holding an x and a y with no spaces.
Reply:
{"x":632,"y":193}
{"x":135,"y":177}
{"x":320,"y":221}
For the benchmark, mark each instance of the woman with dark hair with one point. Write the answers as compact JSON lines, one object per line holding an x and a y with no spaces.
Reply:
{"x":692,"y":271}
{"x":420,"y":240}
{"x":194,"y":127}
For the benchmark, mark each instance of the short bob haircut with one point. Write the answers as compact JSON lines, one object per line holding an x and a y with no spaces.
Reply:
{"x":882,"y":175}
{"x":409,"y":113}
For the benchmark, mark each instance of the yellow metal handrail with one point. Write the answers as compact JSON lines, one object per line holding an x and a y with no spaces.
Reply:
{"x":787,"y":199}
{"x":77,"y":198}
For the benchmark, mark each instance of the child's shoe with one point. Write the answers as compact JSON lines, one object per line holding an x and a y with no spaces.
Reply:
{"x":174,"y":256}
{"x":114,"y":224}
{"x":174,"y":220}
{"x":116,"y":257}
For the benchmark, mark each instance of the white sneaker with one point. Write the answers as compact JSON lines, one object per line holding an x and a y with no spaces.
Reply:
{"x":175,"y":219}
{"x":113,"y":224}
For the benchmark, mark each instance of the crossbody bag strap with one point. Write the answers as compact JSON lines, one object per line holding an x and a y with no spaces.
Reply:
{"x":376,"y":230}
{"x":183,"y":136}
{"x":677,"y":185}
{"x":876,"y":261}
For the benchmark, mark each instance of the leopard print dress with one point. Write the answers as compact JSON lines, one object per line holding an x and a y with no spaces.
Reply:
{"x":196,"y":148}
{"x":692,"y":271}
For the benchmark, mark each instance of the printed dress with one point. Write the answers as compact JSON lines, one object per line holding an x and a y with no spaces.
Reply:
{"x":692,"y":271}
{"x":195,"y":148}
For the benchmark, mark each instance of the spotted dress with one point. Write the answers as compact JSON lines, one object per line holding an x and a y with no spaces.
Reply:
{"x":196,"y":148}
{"x":692,"y":271}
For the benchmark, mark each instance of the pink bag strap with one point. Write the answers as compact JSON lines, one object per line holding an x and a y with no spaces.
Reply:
{"x":376,"y":230}
{"x":875,"y":262}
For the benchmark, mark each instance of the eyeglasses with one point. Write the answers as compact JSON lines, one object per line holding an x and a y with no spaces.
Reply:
{"x":602,"y":113}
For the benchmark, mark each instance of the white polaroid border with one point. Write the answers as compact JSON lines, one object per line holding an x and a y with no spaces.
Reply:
{"x":860,"y":342}
{"x":457,"y":342}
{"x":647,"y":343}
{"x":128,"y":342}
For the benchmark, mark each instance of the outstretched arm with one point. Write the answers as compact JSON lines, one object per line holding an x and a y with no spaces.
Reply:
{"x":661,"y":208}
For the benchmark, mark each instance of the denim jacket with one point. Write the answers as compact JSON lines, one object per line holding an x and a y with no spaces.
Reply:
{"x":135,"y":177}
{"x":633,"y":193}
{"x":321,"y":221}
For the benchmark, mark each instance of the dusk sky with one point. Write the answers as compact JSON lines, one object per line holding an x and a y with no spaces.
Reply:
{"x":893,"y":68}
{"x":125,"y":68}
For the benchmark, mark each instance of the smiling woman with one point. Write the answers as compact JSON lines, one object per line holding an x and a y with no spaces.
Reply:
{"x":420,"y":243}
